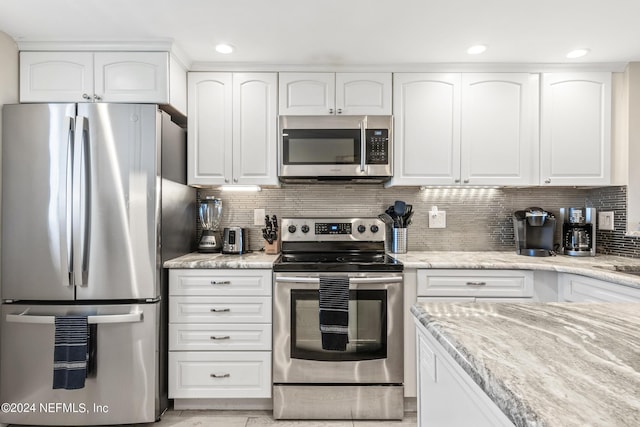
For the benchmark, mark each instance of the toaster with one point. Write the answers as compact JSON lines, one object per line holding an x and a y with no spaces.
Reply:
{"x":235,"y":240}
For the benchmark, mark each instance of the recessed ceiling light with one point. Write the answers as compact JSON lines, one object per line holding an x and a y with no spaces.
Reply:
{"x":224,"y":48}
{"x":477,"y":49}
{"x":577,"y":53}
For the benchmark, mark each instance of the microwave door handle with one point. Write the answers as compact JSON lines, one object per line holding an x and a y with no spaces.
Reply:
{"x":363,"y":144}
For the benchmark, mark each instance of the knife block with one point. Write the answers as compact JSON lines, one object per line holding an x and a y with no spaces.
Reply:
{"x":272,"y":248}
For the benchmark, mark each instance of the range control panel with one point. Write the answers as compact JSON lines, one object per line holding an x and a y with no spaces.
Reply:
{"x":332,"y":229}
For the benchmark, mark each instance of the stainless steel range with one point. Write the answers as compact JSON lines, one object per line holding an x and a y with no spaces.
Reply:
{"x":349,"y":363}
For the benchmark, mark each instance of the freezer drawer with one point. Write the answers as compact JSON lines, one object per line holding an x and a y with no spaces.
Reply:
{"x":124,"y":388}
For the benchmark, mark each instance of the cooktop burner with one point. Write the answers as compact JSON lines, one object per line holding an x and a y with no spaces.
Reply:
{"x":336,"y":262}
{"x":334,"y":244}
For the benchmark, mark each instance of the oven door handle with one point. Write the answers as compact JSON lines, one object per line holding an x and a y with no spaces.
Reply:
{"x":354,"y":280}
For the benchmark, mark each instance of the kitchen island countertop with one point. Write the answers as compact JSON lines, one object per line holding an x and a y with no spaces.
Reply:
{"x":549,"y":364}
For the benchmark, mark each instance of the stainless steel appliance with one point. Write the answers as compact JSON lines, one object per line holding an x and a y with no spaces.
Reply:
{"x":578,"y":231}
{"x":365,"y":381}
{"x":336,"y":148}
{"x":93,"y":202}
{"x":210,"y":212}
{"x":534,"y":231}
{"x":235,"y":240}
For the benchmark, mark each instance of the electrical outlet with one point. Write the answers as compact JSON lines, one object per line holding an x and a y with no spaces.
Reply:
{"x":605,"y":220}
{"x":258,"y":217}
{"x":438,"y":219}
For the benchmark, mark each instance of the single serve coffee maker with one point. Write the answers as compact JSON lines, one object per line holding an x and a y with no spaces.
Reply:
{"x":578,"y":231}
{"x":534,"y":229}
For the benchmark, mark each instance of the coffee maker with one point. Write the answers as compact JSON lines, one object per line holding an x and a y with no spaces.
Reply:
{"x":578,"y":231}
{"x":534,"y":230}
{"x":210,"y":215}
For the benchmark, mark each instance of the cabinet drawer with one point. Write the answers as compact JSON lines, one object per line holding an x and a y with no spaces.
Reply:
{"x":575,"y":288}
{"x":248,"y":282}
{"x":475,"y":283}
{"x":220,"y":310}
{"x":225,"y":374}
{"x":244,"y":336}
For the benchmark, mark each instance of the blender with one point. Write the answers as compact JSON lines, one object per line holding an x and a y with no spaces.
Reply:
{"x":210,"y":214}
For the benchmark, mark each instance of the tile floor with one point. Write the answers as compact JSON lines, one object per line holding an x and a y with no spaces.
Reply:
{"x":263,"y":419}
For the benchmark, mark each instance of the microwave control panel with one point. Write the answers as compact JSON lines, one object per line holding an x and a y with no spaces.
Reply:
{"x":377,"y":146}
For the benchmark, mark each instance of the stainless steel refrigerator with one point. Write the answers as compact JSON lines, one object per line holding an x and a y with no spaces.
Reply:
{"x":93,"y":201}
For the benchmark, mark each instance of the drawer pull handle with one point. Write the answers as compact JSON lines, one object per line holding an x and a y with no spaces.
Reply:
{"x":223,"y":337}
{"x":220,"y":310}
{"x":221,"y":282}
{"x":476,"y":283}
{"x":220,"y":375}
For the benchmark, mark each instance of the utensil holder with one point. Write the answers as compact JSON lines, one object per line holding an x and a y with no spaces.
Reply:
{"x":399,"y":240}
{"x":272,"y":248}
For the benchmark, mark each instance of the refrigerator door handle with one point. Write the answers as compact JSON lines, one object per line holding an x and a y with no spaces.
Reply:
{"x":68,"y":196}
{"x":98,"y":319}
{"x":82,"y":201}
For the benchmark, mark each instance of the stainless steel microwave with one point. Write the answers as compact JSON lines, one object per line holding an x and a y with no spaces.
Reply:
{"x":335,"y":148}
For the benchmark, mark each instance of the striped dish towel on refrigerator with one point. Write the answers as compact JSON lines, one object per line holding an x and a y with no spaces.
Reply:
{"x":70,"y":352}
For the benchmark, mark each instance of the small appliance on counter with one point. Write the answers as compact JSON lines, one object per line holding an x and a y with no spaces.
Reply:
{"x":210,"y":215}
{"x":235,"y":240}
{"x":534,"y":229}
{"x":578,"y":231}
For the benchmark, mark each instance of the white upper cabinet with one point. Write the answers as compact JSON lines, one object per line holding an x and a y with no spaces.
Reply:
{"x":470,"y":129}
{"x":232,"y":128}
{"x":499,"y":137}
{"x":320,"y":94}
{"x":426,"y":129}
{"x":136,"y":77}
{"x":56,"y":76}
{"x":575,"y":136}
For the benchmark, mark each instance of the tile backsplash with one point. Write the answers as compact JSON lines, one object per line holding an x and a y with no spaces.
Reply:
{"x":477,"y":218}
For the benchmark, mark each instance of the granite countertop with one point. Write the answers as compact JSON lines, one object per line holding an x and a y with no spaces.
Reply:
{"x":550,"y":364}
{"x":199,"y":260}
{"x":601,"y":267}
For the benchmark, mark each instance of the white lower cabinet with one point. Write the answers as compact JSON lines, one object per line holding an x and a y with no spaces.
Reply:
{"x":221,"y":374}
{"x":475,"y":285}
{"x":219,"y":334}
{"x":447,"y":396}
{"x":575,"y":288}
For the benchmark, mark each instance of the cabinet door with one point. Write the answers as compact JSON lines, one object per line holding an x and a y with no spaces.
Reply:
{"x":56,"y":76}
{"x":499,"y":141}
{"x":141,"y":77}
{"x":254,"y":128}
{"x":426,"y":128}
{"x":575,"y":288}
{"x":575,"y":139}
{"x":209,"y":128}
{"x":307,"y":94}
{"x":363,"y":93}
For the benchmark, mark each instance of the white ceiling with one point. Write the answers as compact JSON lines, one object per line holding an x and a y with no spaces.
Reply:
{"x":344,"y":32}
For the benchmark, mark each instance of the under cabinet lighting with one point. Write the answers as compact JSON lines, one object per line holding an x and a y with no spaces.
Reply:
{"x":577,"y":53}
{"x":244,"y":188}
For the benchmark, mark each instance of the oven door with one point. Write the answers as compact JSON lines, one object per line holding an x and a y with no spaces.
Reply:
{"x":374,"y":352}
